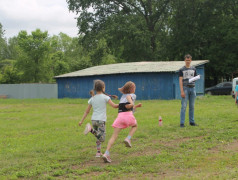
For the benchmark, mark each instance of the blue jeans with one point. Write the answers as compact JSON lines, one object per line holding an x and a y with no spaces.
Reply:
{"x":190,"y":94}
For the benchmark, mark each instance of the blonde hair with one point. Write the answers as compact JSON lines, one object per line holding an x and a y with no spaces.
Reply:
{"x":126,"y":89}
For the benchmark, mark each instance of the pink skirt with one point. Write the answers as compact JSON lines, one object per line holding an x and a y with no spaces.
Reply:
{"x":124,"y":120}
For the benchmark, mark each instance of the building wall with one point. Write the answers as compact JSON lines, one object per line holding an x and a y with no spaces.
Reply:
{"x":148,"y":85}
{"x":29,"y":91}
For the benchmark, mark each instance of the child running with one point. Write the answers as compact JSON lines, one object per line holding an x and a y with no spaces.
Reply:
{"x":99,"y":117}
{"x":125,"y":117}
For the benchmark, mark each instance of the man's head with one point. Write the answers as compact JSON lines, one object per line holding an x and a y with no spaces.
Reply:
{"x":188,"y":60}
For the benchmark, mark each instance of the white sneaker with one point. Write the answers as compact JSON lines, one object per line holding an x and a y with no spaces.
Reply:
{"x":88,"y":128}
{"x":106,"y":158}
{"x":98,"y":155}
{"x":127,"y":142}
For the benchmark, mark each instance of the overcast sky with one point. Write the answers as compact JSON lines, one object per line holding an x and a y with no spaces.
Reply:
{"x":47,"y":15}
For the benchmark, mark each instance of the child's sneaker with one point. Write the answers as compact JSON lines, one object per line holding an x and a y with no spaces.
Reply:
{"x":106,"y":158}
{"x":87,"y":129}
{"x":98,"y":155}
{"x":127,"y":142}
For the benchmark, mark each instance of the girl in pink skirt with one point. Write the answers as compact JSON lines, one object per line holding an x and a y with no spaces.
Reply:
{"x":125,"y":117}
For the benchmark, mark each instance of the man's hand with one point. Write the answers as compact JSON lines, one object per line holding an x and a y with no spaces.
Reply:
{"x":183,"y":94}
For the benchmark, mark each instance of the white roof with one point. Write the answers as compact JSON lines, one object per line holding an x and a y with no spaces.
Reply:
{"x":133,"y":67}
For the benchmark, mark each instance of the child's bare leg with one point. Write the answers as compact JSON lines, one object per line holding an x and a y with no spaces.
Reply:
{"x":113,"y":138}
{"x":106,"y":156}
{"x":133,"y":130}
{"x":127,"y":141}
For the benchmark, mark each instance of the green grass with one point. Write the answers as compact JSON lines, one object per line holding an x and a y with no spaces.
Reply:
{"x":41,"y":139}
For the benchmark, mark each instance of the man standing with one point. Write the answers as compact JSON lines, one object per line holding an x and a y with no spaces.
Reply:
{"x":187,"y":90}
{"x":236,"y":94}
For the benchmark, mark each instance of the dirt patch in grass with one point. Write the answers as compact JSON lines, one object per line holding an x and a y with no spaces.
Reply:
{"x":175,"y":142}
{"x":148,"y":151}
{"x":91,"y":175}
{"x":232,"y":147}
{"x":98,"y":162}
{"x":153,"y":176}
{"x":162,"y":175}
{"x":145,"y":152}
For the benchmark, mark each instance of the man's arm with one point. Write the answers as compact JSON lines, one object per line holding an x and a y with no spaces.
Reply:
{"x":181,"y":87}
{"x":195,"y":73}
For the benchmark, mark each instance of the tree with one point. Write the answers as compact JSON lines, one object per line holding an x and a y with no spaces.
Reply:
{"x":10,"y":75}
{"x":69,"y":52}
{"x":58,"y":64}
{"x":3,"y":44}
{"x":128,"y":40}
{"x":9,"y":72}
{"x":12,"y":48}
{"x":100,"y":55}
{"x":207,"y":30}
{"x":149,"y":16}
{"x":33,"y":57}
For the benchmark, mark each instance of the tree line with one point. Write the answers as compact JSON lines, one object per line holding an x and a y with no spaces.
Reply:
{"x":128,"y":31}
{"x":37,"y":57}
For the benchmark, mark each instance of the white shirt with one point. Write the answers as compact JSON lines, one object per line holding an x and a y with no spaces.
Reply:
{"x":99,"y":104}
{"x":124,"y":100}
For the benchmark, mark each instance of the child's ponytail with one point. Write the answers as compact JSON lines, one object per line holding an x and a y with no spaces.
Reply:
{"x":113,"y":96}
{"x":92,"y":93}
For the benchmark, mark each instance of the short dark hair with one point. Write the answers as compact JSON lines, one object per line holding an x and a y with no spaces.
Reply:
{"x":187,"y":56}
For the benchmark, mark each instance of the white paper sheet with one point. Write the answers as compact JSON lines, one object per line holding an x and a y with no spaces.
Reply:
{"x":194,"y":78}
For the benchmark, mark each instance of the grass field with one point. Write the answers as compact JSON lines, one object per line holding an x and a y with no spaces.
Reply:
{"x":41,"y":139}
